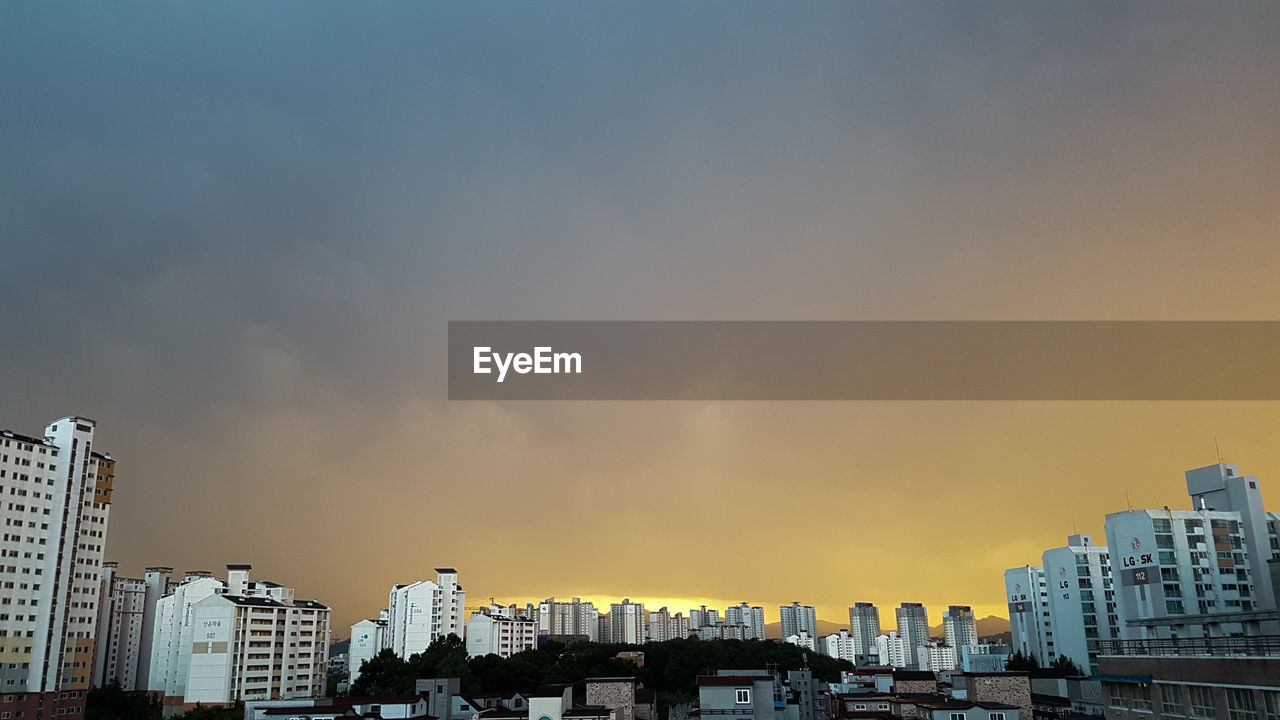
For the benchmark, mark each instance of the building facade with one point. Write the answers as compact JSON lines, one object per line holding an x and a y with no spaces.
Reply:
{"x":219,"y":642}
{"x":864,"y":626}
{"x":500,"y":631}
{"x":797,"y":618}
{"x":368,"y":638}
{"x":913,"y":628}
{"x":626,"y":622}
{"x":422,"y":612}
{"x":57,"y":500}
{"x":750,"y":616}
{"x":122,"y":605}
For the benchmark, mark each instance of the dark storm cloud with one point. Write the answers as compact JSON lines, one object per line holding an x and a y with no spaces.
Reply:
{"x":234,"y":232}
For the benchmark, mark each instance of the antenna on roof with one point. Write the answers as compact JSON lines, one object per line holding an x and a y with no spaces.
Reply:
{"x":1126,"y":499}
{"x":1216,"y":449}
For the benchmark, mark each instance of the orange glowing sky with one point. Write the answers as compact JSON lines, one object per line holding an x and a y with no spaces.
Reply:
{"x":234,"y":236}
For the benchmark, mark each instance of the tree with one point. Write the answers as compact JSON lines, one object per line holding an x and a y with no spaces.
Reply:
{"x":385,"y":674}
{"x":113,"y":703}
{"x":1018,"y":661}
{"x":1065,"y":663}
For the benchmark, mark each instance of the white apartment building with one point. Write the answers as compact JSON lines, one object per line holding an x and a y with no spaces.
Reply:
{"x":421,"y":612}
{"x":663,"y":626}
{"x":569,"y":618}
{"x":1082,"y":607}
{"x":158,"y":582}
{"x":797,"y":618}
{"x":500,"y":631}
{"x":751,"y":616}
{"x":935,"y":657}
{"x":368,"y":638}
{"x":864,"y":626}
{"x":893,"y":650}
{"x":804,"y":640}
{"x":56,"y":499}
{"x":238,"y":640}
{"x":960,"y":626}
{"x":121,"y":607}
{"x":841,"y":645}
{"x":1030,"y":621}
{"x":703,"y":617}
{"x":626,"y":622}
{"x":913,"y":628}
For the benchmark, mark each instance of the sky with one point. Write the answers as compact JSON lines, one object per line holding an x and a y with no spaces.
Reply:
{"x":234,"y":235}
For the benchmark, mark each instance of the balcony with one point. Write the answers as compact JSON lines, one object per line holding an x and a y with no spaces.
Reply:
{"x":1258,"y":646}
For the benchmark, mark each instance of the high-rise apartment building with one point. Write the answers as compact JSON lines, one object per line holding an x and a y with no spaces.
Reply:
{"x":1029,"y":618}
{"x":960,"y":626}
{"x":703,"y":616}
{"x":752,"y":617}
{"x":56,"y":502}
{"x":217,"y":643}
{"x":121,"y":607}
{"x":368,"y":638}
{"x":663,"y":626}
{"x":500,"y":631}
{"x":841,"y":646}
{"x":626,"y":622}
{"x":864,"y":626}
{"x":575,"y":618}
{"x":421,"y":612}
{"x":1082,"y":607}
{"x":913,"y":628}
{"x":797,"y":618}
{"x":158,"y":582}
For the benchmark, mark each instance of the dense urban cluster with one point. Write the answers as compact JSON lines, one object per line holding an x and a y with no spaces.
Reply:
{"x":1175,"y":617}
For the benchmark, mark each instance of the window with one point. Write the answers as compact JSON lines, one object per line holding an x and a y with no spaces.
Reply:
{"x":1142,"y":697}
{"x":995,"y":716}
{"x":743,"y":696}
{"x":957,"y":716}
{"x":1117,"y":696}
{"x":1271,"y":701}
{"x":1171,"y":701}
{"x":1201,"y":701}
{"x":1240,"y":704}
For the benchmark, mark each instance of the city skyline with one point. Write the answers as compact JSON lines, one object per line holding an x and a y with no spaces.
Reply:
{"x":235,"y":237}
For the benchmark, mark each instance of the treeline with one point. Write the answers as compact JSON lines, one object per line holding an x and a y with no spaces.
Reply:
{"x":112,"y":703}
{"x":670,"y":668}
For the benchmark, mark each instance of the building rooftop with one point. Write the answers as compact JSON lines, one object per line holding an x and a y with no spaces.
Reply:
{"x":731,"y":679}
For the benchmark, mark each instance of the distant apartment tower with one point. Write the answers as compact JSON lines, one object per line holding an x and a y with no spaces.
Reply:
{"x":703,"y":617}
{"x":421,"y":612}
{"x":841,"y":646}
{"x":563,"y":619}
{"x":1030,"y":626}
{"x":960,"y":626}
{"x":797,"y":618}
{"x":121,"y":607}
{"x":913,"y":628}
{"x":219,"y":642}
{"x":1082,"y":607}
{"x":626,"y":622}
{"x":663,"y":626}
{"x":368,"y":638}
{"x":500,"y":631}
{"x":864,"y":626}
{"x":57,"y":498}
{"x":752,"y":617}
{"x":893,"y":650}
